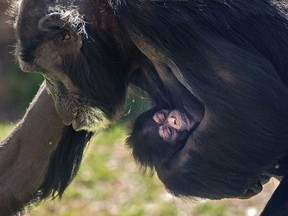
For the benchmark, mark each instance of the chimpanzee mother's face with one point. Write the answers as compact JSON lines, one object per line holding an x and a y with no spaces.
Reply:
{"x":53,"y":40}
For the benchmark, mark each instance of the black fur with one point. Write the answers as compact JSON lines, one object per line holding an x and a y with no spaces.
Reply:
{"x":148,"y":148}
{"x":246,"y":105}
{"x":101,"y":68}
{"x":204,"y":45}
{"x":64,"y":163}
{"x":228,"y":57}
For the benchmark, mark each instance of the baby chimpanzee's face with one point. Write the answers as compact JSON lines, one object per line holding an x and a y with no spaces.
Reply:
{"x":172,"y":124}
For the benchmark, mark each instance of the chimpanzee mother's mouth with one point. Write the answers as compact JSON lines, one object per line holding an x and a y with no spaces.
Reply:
{"x":90,"y":119}
{"x":76,"y":109}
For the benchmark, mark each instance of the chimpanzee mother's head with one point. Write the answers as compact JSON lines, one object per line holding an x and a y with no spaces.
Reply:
{"x":78,"y":57}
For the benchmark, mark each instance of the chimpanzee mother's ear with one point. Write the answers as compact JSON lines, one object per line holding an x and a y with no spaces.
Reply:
{"x":51,"y":22}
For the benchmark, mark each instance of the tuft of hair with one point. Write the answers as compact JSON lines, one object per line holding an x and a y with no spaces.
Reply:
{"x":63,"y":167}
{"x":115,"y":3}
{"x":65,"y":162}
{"x":72,"y":17}
{"x":12,"y":11}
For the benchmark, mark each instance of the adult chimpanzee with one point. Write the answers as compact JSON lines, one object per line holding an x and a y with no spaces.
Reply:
{"x":227,"y":59}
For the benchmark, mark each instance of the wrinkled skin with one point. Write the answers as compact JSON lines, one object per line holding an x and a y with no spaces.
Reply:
{"x":172,"y":123}
{"x":236,"y":81}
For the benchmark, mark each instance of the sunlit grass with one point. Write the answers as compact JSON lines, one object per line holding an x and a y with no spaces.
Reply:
{"x":109,"y":184}
{"x":211,"y":209}
{"x":5,"y":129}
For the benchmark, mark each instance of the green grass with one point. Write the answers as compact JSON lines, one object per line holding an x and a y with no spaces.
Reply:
{"x":5,"y":129}
{"x":109,"y":184}
{"x":211,"y":209}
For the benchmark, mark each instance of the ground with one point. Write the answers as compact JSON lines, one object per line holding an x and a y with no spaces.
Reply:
{"x":110,"y":184}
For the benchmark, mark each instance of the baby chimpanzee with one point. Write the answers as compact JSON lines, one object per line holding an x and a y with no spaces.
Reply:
{"x":158,"y":133}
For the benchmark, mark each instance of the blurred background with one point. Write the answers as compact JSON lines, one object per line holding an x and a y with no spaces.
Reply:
{"x":16,"y":88}
{"x":109,"y":183}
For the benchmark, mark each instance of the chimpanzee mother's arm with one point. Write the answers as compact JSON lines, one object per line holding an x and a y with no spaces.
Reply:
{"x":40,"y":158}
{"x":26,"y":152}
